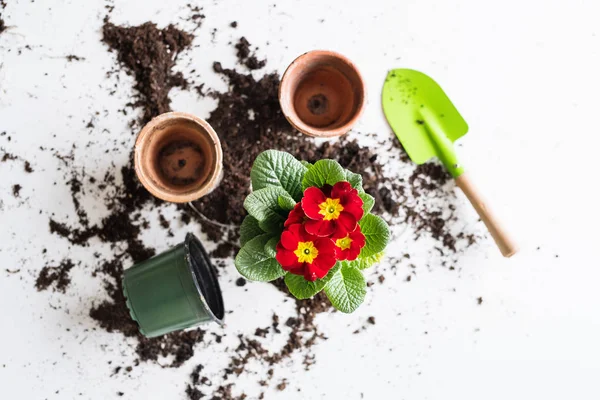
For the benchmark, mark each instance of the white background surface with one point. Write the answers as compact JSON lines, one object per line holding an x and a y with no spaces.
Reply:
{"x":523,"y":73}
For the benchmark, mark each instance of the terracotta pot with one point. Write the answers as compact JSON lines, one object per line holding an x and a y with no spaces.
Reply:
{"x":178,"y":157}
{"x":322,"y":94}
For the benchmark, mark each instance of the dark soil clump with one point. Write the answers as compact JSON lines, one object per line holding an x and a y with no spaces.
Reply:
{"x":73,"y":57}
{"x":16,"y":190}
{"x":8,"y":157}
{"x":150,"y":54}
{"x":57,"y":277}
{"x":2,"y":24}
{"x":246,"y":56}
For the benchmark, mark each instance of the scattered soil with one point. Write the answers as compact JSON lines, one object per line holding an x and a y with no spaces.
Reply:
{"x":5,"y":156}
{"x":195,"y":16}
{"x":246,"y":56}
{"x":27,"y":167}
{"x":8,"y":157}
{"x":73,"y":57}
{"x":16,"y":190}
{"x":240,"y":282}
{"x":149,"y":53}
{"x":2,"y":24}
{"x":122,"y":225}
{"x":303,"y":335}
{"x":55,"y":276}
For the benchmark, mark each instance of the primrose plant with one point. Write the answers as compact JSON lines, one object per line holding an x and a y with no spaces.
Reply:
{"x":310,"y":224}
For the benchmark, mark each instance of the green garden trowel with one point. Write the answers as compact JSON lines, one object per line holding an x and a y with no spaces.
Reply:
{"x":427,"y":124}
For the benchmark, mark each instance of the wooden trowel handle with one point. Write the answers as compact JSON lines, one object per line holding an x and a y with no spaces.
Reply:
{"x":505,"y":243}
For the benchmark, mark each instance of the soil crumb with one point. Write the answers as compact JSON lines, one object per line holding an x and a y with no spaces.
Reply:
{"x":73,"y":57}
{"x":56,"y":277}
{"x":2,"y":24}
{"x":246,"y":56}
{"x":27,"y":167}
{"x":16,"y":190}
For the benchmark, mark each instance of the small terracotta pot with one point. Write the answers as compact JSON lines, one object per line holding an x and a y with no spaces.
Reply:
{"x":178,"y":157}
{"x":322,"y":94}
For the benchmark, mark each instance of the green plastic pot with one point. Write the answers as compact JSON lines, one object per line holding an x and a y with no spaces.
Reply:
{"x":175,"y":290}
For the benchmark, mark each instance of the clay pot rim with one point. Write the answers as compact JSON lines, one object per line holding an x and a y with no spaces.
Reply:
{"x":307,"y":129}
{"x":167,"y":195}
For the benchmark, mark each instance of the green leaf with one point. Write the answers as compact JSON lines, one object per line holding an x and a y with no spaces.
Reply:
{"x":347,"y":289}
{"x":300,"y":288}
{"x":286,"y":203}
{"x":303,"y":289}
{"x":368,"y":202}
{"x":306,"y":164}
{"x":279,"y":169}
{"x":377,"y":234}
{"x":263,"y":205}
{"x":249,"y":230}
{"x":366,"y":262}
{"x":271,"y":247}
{"x":323,"y":172}
{"x":354,"y":179}
{"x":255,"y":264}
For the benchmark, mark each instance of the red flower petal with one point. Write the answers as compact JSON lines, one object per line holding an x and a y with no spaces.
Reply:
{"x":296,"y":216}
{"x":310,"y":275}
{"x":340,"y":231}
{"x":326,"y":258}
{"x":354,"y":205}
{"x":299,"y":270}
{"x":322,"y":265}
{"x":347,"y":221}
{"x":289,"y":240}
{"x":288,"y":260}
{"x":325,"y":246}
{"x":358,"y":241}
{"x":340,"y":188}
{"x":320,"y":228}
{"x":310,"y":202}
{"x":358,"y":238}
{"x":300,"y":233}
{"x":352,"y":253}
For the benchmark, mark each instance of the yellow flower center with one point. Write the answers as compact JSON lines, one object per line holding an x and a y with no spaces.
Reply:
{"x":306,"y":252}
{"x":330,"y":209}
{"x":344,"y":243}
